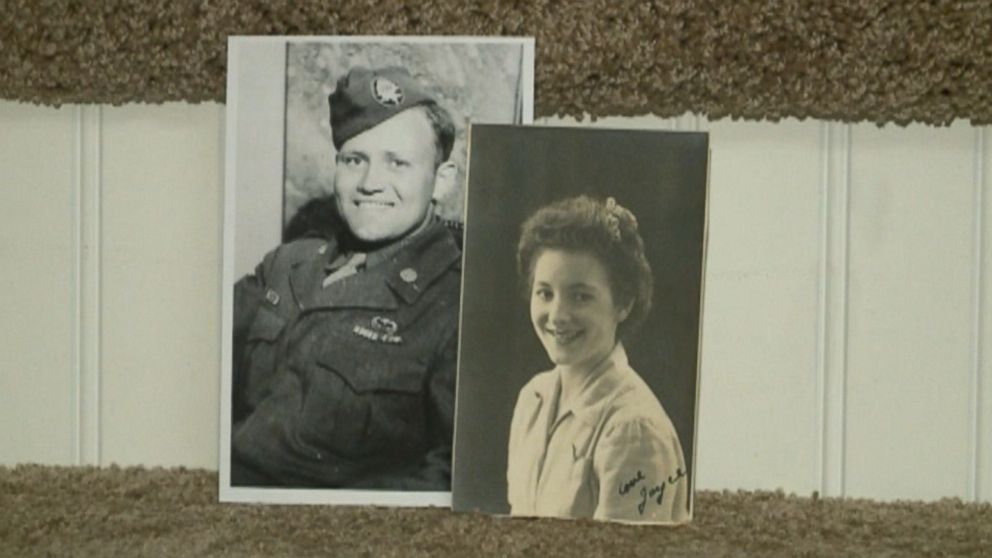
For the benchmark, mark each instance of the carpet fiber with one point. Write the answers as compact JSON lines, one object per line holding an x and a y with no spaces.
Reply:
{"x":85,"y":511}
{"x":877,"y":60}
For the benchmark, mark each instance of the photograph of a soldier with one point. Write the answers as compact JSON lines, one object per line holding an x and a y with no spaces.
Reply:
{"x":583,"y":405}
{"x":345,"y":334}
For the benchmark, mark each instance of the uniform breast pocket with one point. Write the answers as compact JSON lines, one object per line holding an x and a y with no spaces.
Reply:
{"x":359,"y":405}
{"x":260,"y":353}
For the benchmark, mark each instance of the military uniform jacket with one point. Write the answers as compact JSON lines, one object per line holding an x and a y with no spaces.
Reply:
{"x":349,"y":384}
{"x":613,"y":454}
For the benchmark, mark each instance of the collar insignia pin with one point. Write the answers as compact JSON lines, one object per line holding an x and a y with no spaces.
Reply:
{"x":272,"y":297}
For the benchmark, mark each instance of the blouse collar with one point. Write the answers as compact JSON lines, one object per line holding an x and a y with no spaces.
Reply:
{"x":595,"y":389}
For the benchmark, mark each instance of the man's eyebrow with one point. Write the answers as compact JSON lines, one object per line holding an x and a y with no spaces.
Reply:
{"x":390,"y":154}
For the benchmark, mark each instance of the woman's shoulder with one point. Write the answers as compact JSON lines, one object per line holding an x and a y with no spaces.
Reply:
{"x":636,"y":412}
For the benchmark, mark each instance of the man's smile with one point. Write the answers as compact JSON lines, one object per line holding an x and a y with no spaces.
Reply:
{"x":373,"y":203}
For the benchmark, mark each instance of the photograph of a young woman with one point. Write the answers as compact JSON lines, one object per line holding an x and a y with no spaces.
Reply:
{"x":580,"y":328}
{"x":588,"y":437}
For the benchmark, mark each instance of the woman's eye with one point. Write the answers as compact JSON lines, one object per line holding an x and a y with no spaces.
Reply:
{"x":581,"y":297}
{"x":398,"y":163}
{"x":543,"y":294}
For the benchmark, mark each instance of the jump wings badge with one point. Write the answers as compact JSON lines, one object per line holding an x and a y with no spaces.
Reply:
{"x":386,"y":92}
{"x":383,"y":330}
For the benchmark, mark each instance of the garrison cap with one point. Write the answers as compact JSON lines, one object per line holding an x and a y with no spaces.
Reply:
{"x":363,"y":98}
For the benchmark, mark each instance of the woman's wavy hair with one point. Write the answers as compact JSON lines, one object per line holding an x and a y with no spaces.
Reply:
{"x":604,"y":229}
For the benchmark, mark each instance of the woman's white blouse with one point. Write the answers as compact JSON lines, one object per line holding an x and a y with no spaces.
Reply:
{"x":613,"y":454}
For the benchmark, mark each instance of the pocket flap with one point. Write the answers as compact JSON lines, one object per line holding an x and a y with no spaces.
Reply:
{"x":366,"y":372}
{"x":267,"y":326}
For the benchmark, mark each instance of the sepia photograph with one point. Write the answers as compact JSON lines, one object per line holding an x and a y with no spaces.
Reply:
{"x":580,"y":323}
{"x":345,"y":168}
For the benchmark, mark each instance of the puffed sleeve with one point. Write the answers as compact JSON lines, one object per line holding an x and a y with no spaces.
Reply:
{"x":641,"y":472}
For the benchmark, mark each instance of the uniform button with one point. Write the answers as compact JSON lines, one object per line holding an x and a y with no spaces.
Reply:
{"x":322,"y":250}
{"x":409,"y":275}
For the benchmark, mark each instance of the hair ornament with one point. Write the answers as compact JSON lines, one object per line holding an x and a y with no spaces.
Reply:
{"x":615,"y":212}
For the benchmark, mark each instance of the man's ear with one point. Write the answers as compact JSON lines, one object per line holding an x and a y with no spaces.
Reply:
{"x":444,"y":180}
{"x":332,"y":188}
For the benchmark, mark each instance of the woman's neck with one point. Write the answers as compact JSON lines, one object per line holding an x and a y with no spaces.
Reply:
{"x":577,"y":376}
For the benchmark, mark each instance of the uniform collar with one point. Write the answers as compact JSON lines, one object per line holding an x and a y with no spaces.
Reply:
{"x":376,"y":254}
{"x":405,"y":271}
{"x":424,"y":258}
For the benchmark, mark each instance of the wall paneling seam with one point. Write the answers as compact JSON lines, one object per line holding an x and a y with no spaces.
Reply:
{"x":88,"y":296}
{"x":832,"y":307}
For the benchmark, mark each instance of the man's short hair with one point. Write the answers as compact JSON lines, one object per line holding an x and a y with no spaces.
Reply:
{"x":444,"y":131}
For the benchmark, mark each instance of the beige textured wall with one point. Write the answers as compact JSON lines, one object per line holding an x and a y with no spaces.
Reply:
{"x":846,"y":335}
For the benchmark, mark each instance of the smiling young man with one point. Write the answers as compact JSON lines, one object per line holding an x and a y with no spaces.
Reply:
{"x":345,"y":345}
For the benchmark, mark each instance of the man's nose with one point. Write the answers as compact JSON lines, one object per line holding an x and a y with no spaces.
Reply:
{"x":374,"y":180}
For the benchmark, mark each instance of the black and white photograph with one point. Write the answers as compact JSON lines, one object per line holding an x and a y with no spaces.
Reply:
{"x":580,"y":323}
{"x":345,"y":170}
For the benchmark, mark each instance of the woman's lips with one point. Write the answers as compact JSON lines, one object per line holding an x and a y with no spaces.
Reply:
{"x":564,"y":336}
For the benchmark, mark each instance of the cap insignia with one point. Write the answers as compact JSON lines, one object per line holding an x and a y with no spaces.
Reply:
{"x":386,"y":92}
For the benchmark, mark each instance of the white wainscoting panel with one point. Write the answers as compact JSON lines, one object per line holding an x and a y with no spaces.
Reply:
{"x":759,"y":401}
{"x":39,"y":179}
{"x":161,"y":278}
{"x":846,"y":335}
{"x":911,"y":320}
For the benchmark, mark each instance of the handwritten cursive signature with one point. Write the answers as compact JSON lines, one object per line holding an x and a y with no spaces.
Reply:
{"x":656,"y":492}
{"x":626,"y":486}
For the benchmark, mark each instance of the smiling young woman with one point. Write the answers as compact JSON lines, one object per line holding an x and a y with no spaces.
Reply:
{"x":589,"y":438}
